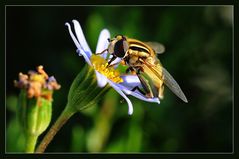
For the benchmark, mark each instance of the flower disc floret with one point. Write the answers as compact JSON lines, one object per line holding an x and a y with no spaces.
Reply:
{"x":101,"y":65}
{"x":37,"y":83}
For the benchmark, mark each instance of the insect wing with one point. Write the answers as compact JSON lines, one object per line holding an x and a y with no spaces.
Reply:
{"x":173,"y":85}
{"x":168,"y":80}
{"x":158,"y":47}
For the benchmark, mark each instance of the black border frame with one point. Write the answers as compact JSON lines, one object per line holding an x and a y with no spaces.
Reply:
{"x":115,"y":155}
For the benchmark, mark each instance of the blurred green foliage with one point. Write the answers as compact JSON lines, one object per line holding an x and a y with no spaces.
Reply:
{"x":198,"y":43}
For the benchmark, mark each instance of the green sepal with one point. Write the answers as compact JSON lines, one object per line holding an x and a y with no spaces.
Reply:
{"x":84,"y":91}
{"x":34,"y":114}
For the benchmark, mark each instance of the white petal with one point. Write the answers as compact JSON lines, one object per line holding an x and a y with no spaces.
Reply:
{"x":130,"y":81}
{"x":102,"y":45}
{"x":101,"y":79}
{"x":103,"y":42}
{"x":83,"y":53}
{"x":73,"y":36}
{"x":130,"y":106}
{"x":79,"y":48}
{"x":81,"y":38}
{"x":137,"y":94}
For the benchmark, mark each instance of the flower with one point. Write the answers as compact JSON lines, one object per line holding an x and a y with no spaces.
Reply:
{"x":37,"y":84}
{"x":123,"y":84}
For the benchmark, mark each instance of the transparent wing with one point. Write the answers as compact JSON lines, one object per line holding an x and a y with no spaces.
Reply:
{"x":158,"y":47}
{"x":167,"y":79}
{"x":173,"y":85}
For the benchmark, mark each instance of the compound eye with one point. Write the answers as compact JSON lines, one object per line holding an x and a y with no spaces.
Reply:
{"x":120,"y":48}
{"x":125,"y":46}
{"x":111,"y":48}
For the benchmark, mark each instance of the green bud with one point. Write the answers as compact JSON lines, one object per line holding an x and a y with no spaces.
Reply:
{"x":84,"y":91}
{"x":34,"y":114}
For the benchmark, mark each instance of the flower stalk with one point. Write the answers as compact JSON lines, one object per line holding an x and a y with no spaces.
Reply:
{"x":62,"y":119}
{"x":30,"y":143}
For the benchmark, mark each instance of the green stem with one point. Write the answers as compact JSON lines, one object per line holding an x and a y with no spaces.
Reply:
{"x":30,"y":143}
{"x":65,"y":115}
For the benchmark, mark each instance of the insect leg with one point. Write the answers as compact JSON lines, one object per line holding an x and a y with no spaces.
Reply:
{"x":114,"y":64}
{"x":101,"y":52}
{"x":111,"y":60}
{"x":145,"y":85}
{"x":137,"y":88}
{"x":161,"y":90}
{"x":130,"y":69}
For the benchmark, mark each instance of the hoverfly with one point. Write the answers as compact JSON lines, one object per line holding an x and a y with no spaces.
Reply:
{"x":141,"y":57}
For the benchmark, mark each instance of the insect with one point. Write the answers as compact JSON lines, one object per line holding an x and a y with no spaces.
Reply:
{"x":141,"y":57}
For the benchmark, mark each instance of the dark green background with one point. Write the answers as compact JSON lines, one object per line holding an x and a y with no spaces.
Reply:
{"x":198,"y":41}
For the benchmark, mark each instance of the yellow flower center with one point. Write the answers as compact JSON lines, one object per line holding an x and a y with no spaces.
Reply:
{"x":37,"y":84}
{"x":100,"y":65}
{"x":37,"y":78}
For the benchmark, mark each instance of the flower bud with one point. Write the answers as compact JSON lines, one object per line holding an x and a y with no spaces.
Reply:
{"x":35,"y":100}
{"x":84,"y":91}
{"x":34,"y":113}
